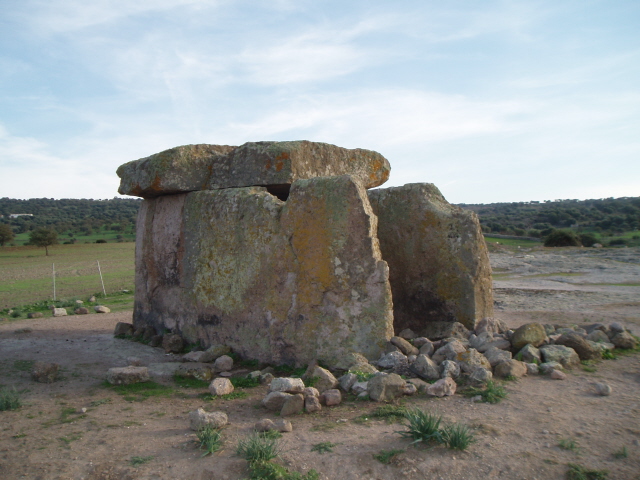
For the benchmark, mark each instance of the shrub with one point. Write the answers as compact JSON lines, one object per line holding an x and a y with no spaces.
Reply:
{"x":618,"y":241}
{"x":457,"y":437}
{"x":423,"y":427}
{"x":258,"y":448}
{"x":578,"y":472}
{"x":588,"y":240}
{"x":210,"y":440}
{"x":562,"y":238}
{"x":9,"y":399}
{"x":101,"y":240}
{"x":492,"y":393}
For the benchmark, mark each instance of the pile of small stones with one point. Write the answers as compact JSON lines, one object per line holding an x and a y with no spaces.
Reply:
{"x":410,"y":364}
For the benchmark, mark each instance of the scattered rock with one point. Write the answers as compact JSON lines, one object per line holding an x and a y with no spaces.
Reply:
{"x":410,"y":389}
{"x":58,"y":312}
{"x":532,"y":368}
{"x":283,"y":425}
{"x":558,"y":375}
{"x":101,"y":309}
{"x":603,"y":389}
{"x":172,"y":343}
{"x":214,"y":352}
{"x":35,"y":315}
{"x":201,"y":371}
{"x":221,"y":386}
{"x":223,"y":363}
{"x":490,"y":325}
{"x":323,"y":378}
{"x":510,"y":368}
{"x":310,"y":392}
{"x":275,"y":400}
{"x":420,"y":385}
{"x":547,"y":367}
{"x":404,"y":346}
{"x":529,"y":354}
{"x":347,"y":361}
{"x":449,"y":351}
{"x":480,"y":376}
{"x":565,"y":356}
{"x":347,"y":380}
{"x":426,"y":348}
{"x":81,"y":311}
{"x":532,"y":333}
{"x":331,"y":398}
{"x":443,"y":387}
{"x":199,"y":419}
{"x":312,"y":404}
{"x":449,"y":368}
{"x":293,"y":405}
{"x":598,"y":335}
{"x":440,"y":330}
{"x":624,"y":340}
{"x":471,"y":359}
{"x":408,"y":334}
{"x":393,"y":360}
{"x":581,"y":346}
{"x":127,"y":375}
{"x":43,"y":372}
{"x":495,"y":356}
{"x":264,"y":425}
{"x":426,"y":368}
{"x":385,"y":387}
{"x":286,"y":384}
{"x":195,"y":356}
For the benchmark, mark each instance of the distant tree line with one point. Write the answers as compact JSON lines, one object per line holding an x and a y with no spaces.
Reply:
{"x":606,"y":217}
{"x":70,"y":216}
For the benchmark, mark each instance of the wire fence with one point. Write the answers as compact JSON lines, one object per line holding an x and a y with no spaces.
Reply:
{"x":27,"y":284}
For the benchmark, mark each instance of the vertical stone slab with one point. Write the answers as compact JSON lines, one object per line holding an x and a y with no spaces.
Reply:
{"x":278,"y":282}
{"x":343,"y":298}
{"x":438,"y":261}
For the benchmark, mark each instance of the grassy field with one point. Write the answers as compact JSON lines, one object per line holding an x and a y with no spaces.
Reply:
{"x":26,"y":273}
{"x":513,"y":242}
{"x":111,"y":236}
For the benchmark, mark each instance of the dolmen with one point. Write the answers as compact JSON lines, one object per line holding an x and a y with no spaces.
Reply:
{"x":286,"y":252}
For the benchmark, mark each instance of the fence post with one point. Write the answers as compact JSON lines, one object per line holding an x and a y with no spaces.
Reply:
{"x":101,"y":281}
{"x":53,"y":268}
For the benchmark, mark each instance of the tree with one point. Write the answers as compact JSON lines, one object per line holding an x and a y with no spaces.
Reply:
{"x":562,"y":238}
{"x":6,"y":234}
{"x":43,"y":237}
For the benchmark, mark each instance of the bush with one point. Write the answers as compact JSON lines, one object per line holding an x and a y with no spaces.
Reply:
{"x":9,"y":399}
{"x":618,"y":241}
{"x":562,"y":238}
{"x":588,"y":240}
{"x":101,"y":240}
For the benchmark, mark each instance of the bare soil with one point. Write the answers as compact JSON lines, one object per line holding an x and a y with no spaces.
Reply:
{"x":51,"y":438}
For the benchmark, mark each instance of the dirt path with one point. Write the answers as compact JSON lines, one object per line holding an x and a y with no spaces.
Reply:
{"x":50,"y":437}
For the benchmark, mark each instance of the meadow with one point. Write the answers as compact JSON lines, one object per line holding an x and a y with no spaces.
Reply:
{"x":26,"y":273}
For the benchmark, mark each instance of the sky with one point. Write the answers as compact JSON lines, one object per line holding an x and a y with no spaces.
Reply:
{"x":492,"y":101}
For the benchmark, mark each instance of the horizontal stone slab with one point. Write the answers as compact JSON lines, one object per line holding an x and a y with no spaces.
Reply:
{"x":271,"y":164}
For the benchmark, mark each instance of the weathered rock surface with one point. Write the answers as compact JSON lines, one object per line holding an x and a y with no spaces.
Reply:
{"x":404,"y":346}
{"x":323,"y":378}
{"x":470,"y":359}
{"x":511,"y":368}
{"x":201,"y":371}
{"x":624,"y":340}
{"x":582,"y":347}
{"x":385,"y":387}
{"x":209,"y":167}
{"x":426,"y":368}
{"x":532,"y":333}
{"x":565,"y":356}
{"x":172,"y":343}
{"x":101,"y":309}
{"x":199,"y":419}
{"x":292,"y":405}
{"x":275,"y":400}
{"x":277,"y":282}
{"x":286,"y":384}
{"x":443,"y":387}
{"x":123,"y":329}
{"x":59,"y":312}
{"x":496,"y":356}
{"x":438,"y":261}
{"x":127,"y":375}
{"x":221,"y":386}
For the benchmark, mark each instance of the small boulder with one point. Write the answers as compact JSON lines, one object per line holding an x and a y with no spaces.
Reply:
{"x":565,"y":356}
{"x":35,"y":315}
{"x":58,"y":312}
{"x":201,"y":371}
{"x":496,"y":356}
{"x":347,"y":361}
{"x":470,"y":359}
{"x":102,"y":309}
{"x":221,"y":386}
{"x":127,"y":375}
{"x":529,"y":354}
{"x":546,"y":368}
{"x":421,"y":385}
{"x":275,"y":400}
{"x":404,"y":346}
{"x":410,"y":389}
{"x":440,"y":330}
{"x":172,"y":343}
{"x":385,"y":387}
{"x":581,"y":346}
{"x":347,"y":380}
{"x":310,"y":392}
{"x":480,"y":376}
{"x":283,"y":425}
{"x":393,"y":360}
{"x":449,"y":351}
{"x":426,"y":348}
{"x":223,"y":363}
{"x":323,"y":379}
{"x":490,"y":325}
{"x":199,"y":419}
{"x":214,"y":352}
{"x":288,"y":385}
{"x":449,"y":368}
{"x":598,"y":335}
{"x":264,"y":425}
{"x":443,"y":387}
{"x":360,"y":387}
{"x":603,"y":389}
{"x":510,"y":368}
{"x":532,"y":368}
{"x":331,"y":398}
{"x":293,"y":405}
{"x":624,"y":340}
{"x":533,"y":333}
{"x":558,"y":375}
{"x":43,"y":372}
{"x":408,"y":334}
{"x":81,"y":311}
{"x":426,"y":368}
{"x":312,"y":404}
{"x":195,"y":356}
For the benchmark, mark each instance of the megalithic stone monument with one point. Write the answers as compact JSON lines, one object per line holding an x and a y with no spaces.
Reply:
{"x":274,"y":249}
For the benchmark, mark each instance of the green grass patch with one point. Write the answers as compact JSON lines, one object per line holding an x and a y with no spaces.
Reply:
{"x":457,"y":436}
{"x":137,"y":461}
{"x":23,"y":365}
{"x":244,"y":382}
{"x":423,"y":427}
{"x":210,"y":440}
{"x":385,"y":456}
{"x":273,"y":471}
{"x":236,"y":395}
{"x":323,"y":447}
{"x":190,"y":382}
{"x":67,"y":439}
{"x":9,"y":399}
{"x":391,"y":413}
{"x":578,"y":472}
{"x":513,"y":242}
{"x":620,"y":454}
{"x":569,"y":444}
{"x":142,"y":390}
{"x":258,"y":448}
{"x":492,"y":392}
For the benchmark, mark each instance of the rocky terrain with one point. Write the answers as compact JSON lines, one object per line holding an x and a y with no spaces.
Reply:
{"x":79,"y":427}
